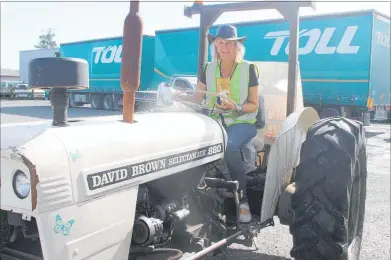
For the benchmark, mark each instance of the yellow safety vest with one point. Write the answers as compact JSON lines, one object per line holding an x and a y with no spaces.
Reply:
{"x":238,"y":92}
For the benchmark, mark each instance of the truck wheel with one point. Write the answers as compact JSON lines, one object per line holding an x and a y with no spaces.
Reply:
{"x":71,"y":102}
{"x":96,"y":101}
{"x":329,"y":200}
{"x":108,"y":102}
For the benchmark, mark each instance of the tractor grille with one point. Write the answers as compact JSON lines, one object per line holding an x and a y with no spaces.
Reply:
{"x":55,"y":192}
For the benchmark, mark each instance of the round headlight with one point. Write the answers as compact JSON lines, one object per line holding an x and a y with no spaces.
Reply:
{"x":21,"y":185}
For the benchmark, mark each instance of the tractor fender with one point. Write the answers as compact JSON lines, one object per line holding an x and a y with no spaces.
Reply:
{"x":284,"y":157}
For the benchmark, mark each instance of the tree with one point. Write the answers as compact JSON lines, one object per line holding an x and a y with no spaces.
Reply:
{"x":46,"y":40}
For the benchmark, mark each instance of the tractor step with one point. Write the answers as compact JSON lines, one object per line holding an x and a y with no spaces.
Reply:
{"x":221,"y":183}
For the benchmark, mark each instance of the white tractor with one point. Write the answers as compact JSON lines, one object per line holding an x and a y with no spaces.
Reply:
{"x":156,"y":187}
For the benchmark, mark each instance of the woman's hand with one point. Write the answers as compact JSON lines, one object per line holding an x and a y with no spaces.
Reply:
{"x":178,"y":96}
{"x":226,"y":104}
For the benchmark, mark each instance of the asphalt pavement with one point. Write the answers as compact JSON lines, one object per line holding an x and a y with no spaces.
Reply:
{"x":273,"y":243}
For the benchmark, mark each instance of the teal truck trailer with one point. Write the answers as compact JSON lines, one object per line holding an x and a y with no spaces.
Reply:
{"x":104,"y":59}
{"x":344,"y":58}
{"x":344,"y":61}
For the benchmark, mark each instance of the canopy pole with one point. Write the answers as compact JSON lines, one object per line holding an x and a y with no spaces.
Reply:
{"x":207,"y":18}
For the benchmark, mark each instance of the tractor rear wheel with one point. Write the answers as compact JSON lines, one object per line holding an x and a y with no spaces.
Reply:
{"x":329,"y":200}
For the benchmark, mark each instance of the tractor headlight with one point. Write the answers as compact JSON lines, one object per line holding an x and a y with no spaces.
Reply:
{"x":21,"y":184}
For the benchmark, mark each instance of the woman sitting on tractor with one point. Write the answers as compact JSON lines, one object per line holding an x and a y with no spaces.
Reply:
{"x":229,"y":73}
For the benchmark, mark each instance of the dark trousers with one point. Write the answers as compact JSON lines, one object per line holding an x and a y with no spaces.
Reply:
{"x":238,"y":136}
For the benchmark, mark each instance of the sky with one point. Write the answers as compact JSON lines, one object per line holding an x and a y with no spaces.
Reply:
{"x":23,"y":22}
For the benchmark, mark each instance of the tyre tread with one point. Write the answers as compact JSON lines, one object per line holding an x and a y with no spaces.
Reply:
{"x":323,"y":179}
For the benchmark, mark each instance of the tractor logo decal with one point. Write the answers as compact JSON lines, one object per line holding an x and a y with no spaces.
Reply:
{"x":61,"y":227}
{"x":106,"y":178}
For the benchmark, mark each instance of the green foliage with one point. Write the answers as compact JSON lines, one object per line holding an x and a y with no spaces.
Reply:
{"x":46,"y":40}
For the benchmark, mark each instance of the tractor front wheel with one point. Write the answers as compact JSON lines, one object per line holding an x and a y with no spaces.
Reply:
{"x":329,"y":200}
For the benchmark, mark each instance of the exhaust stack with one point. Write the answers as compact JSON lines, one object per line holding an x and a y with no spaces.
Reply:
{"x":131,"y":60}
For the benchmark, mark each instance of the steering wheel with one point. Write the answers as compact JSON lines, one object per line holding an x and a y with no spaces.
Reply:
{"x":203,"y":107}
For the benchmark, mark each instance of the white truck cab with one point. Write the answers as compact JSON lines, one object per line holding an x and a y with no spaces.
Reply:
{"x":22,"y":90}
{"x":183,"y":82}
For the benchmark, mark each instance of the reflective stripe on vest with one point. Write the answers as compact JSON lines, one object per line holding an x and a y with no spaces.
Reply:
{"x":239,"y":92}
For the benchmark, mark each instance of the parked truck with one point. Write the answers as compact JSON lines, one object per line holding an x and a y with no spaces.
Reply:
{"x":344,"y":58}
{"x":104,"y":59}
{"x":344,"y":61}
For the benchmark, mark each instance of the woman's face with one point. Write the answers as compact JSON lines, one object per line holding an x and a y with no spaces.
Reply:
{"x":226,"y":49}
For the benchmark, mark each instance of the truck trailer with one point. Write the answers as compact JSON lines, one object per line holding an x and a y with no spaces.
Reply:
{"x":104,"y":60}
{"x":344,"y":58}
{"x":344,"y":61}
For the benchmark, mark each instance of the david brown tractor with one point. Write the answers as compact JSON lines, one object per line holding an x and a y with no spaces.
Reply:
{"x":155,"y":185}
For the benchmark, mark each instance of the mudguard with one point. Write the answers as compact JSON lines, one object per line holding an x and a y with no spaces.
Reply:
{"x":284,"y":156}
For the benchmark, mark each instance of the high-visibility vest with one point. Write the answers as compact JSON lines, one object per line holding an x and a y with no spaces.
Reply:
{"x":238,"y":92}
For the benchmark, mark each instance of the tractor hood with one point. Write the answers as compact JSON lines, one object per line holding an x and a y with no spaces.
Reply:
{"x":15,"y":135}
{"x":91,"y":158}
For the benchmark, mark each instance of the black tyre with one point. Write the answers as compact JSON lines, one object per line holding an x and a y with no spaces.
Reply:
{"x":329,"y":201}
{"x":329,"y":112}
{"x":96,"y":101}
{"x":108,"y":102}
{"x":73,"y":103}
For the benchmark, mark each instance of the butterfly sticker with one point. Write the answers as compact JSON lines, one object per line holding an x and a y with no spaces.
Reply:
{"x":76,"y":155}
{"x":62,"y":227}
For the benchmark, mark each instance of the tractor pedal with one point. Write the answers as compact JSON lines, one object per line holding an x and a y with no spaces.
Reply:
{"x":221,"y":183}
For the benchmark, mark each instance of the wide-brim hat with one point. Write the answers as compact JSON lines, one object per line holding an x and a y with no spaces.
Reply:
{"x":226,"y":32}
